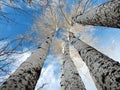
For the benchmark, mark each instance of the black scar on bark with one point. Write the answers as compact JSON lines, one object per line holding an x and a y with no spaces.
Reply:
{"x":16,"y":86}
{"x":76,"y":74}
{"x":89,"y":49}
{"x":116,"y":63}
{"x":5,"y":83}
{"x":103,"y":78}
{"x":48,"y":37}
{"x":39,"y":47}
{"x":20,"y":81}
{"x":66,"y":54}
{"x":46,"y":41}
{"x":30,"y":72}
{"x":63,"y":62}
{"x":79,"y":53}
{"x":113,"y":71}
{"x":118,"y":79}
{"x":62,"y":75}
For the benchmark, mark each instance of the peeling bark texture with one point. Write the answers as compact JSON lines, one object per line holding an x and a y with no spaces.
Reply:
{"x":104,"y":70}
{"x":26,"y":76}
{"x":70,"y":79}
{"x":107,"y":14}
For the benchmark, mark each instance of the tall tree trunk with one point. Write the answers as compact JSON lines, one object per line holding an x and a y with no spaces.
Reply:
{"x":26,"y":76}
{"x":70,"y":79}
{"x":107,"y":14}
{"x":104,"y":70}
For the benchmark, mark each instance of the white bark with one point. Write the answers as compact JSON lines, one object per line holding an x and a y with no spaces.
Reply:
{"x":104,"y":70}
{"x":107,"y":14}
{"x":26,"y":76}
{"x":70,"y":78}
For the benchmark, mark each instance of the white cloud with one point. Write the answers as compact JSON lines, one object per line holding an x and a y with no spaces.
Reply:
{"x":20,"y":58}
{"x":111,"y":48}
{"x":50,"y":75}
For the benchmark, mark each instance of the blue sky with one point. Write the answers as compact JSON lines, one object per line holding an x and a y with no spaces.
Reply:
{"x":108,"y":43}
